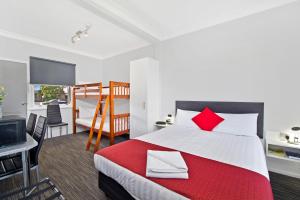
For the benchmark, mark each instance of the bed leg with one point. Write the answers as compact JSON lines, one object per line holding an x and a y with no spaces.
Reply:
{"x":111,"y":139}
{"x":74,"y":129}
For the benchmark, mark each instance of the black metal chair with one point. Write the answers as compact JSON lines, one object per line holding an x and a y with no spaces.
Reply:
{"x":13,"y":165}
{"x":31,"y":123}
{"x":54,"y":119}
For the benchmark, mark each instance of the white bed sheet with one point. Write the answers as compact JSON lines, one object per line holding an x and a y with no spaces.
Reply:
{"x":87,"y":121}
{"x":241,"y":151}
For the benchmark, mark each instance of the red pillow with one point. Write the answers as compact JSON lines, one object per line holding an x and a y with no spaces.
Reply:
{"x":207,"y":120}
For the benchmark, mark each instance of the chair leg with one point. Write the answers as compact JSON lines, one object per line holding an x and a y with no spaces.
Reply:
{"x":51,"y":131}
{"x":37,"y":171}
{"x":67,"y":129}
{"x":60,"y":131}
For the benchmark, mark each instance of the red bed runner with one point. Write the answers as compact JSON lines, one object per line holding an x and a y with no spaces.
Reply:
{"x":208,"y":179}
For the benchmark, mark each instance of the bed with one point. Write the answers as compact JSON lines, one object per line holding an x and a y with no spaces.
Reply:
{"x":113,"y":124}
{"x":225,"y":154}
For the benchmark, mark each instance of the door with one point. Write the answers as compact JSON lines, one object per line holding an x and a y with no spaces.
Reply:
{"x":138,"y":96}
{"x":13,"y":76}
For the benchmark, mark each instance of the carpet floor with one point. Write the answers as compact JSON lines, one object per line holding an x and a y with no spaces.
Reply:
{"x":71,"y":168}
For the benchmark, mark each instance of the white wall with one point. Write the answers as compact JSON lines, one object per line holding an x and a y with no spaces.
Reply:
{"x":117,"y":68}
{"x":87,"y":69}
{"x":256,"y":58}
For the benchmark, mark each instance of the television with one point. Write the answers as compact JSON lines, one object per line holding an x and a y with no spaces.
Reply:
{"x":12,"y":130}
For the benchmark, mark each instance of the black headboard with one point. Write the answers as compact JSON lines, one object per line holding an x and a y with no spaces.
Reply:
{"x":228,"y":107}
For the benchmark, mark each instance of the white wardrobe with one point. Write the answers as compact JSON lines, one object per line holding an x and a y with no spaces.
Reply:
{"x":144,"y":96}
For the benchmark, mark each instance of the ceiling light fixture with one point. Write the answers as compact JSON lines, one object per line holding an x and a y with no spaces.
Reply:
{"x":80,"y":33}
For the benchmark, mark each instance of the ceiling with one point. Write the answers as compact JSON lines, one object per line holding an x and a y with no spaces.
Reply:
{"x":170,"y":18}
{"x":53,"y":22}
{"x":117,"y":25}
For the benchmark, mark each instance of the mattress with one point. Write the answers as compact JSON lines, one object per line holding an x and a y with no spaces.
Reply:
{"x":241,"y":151}
{"x":87,"y":121}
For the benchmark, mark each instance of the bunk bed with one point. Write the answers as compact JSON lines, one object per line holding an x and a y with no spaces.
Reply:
{"x":104,"y":120}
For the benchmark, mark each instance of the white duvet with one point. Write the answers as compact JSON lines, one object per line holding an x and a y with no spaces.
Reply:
{"x":242,"y":151}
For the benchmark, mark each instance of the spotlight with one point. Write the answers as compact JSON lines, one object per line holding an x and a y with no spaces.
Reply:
{"x":80,"y":33}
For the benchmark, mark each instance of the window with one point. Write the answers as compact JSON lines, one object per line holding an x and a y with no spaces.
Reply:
{"x":45,"y":94}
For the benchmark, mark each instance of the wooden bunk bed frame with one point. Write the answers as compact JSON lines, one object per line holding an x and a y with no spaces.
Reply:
{"x":118,"y":123}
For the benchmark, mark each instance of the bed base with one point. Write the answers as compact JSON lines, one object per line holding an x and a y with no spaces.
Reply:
{"x":112,"y":188}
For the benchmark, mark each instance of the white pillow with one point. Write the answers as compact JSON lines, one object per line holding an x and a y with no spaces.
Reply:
{"x":184,"y":118}
{"x":238,"y":124}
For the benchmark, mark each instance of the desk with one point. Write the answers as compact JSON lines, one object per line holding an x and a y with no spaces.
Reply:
{"x":21,"y":148}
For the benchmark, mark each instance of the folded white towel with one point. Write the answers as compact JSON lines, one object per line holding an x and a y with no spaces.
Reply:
{"x":166,"y":164}
{"x":167,"y":175}
{"x":165,"y":161}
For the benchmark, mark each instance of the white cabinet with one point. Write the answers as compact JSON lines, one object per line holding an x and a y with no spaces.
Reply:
{"x":144,"y":96}
{"x":277,"y":159}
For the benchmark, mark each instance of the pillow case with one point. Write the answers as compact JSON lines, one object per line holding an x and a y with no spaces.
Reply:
{"x":184,"y":118}
{"x":238,"y":124}
{"x":207,"y":120}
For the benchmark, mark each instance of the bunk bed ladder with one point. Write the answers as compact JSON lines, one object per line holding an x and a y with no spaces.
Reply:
{"x":101,"y":125}
{"x":98,"y":108}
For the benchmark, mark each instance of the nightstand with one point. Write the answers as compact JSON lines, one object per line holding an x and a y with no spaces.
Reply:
{"x":277,"y":159}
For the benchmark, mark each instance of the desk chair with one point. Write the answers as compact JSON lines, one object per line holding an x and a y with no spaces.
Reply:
{"x":31,"y":123}
{"x":54,"y":119}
